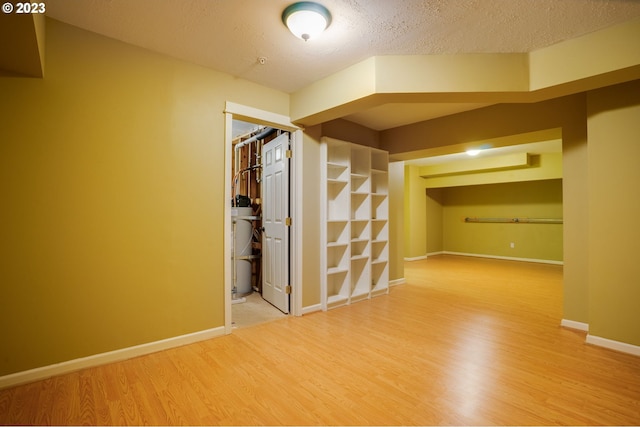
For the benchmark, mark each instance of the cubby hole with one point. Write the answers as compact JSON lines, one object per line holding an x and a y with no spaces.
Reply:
{"x":359,"y":184}
{"x":337,"y":286}
{"x":379,"y":251}
{"x":337,"y":172}
{"x":379,"y":183}
{"x":360,"y":206}
{"x":337,"y":258}
{"x":380,"y":207}
{"x":360,"y":277}
{"x":360,"y":161}
{"x":360,"y":230}
{"x":379,"y":230}
{"x":360,"y":249}
{"x":337,"y":232}
{"x":379,"y":160}
{"x":338,"y":153}
{"x":379,"y":276}
{"x":337,"y":201}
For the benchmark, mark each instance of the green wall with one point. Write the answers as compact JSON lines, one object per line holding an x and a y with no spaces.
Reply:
{"x":112,"y":186}
{"x":533,"y":199}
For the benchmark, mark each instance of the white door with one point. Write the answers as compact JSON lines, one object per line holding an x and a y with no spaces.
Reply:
{"x":275,"y":212}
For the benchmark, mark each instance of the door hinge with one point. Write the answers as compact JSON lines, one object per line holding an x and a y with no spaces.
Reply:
{"x":287,"y":221}
{"x":287,"y":289}
{"x":288,"y":154}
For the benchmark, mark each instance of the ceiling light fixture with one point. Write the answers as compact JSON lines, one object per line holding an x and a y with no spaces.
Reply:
{"x":306,"y":19}
{"x":475,"y":151}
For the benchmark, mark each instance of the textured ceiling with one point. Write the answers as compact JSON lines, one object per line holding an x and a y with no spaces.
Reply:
{"x":230,"y":35}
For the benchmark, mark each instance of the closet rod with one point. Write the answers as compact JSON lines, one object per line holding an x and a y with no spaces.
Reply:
{"x":516,"y":220}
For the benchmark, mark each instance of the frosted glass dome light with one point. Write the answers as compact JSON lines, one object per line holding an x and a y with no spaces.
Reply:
{"x":306,"y":19}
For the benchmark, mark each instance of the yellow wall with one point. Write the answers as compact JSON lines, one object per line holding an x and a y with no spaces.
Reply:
{"x":540,"y":166}
{"x":414,"y":213}
{"x":533,"y":199}
{"x":614,"y":210}
{"x":22,"y":45}
{"x":446,"y":229}
{"x":112,"y":179}
{"x":396,"y":221}
{"x":570,"y":65}
{"x":575,"y":198}
{"x":311,"y":217}
{"x":434,"y":220}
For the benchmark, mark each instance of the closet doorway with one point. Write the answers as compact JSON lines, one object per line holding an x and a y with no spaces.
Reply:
{"x":259,"y":217}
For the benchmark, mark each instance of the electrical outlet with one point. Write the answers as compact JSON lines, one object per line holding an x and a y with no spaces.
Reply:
{"x":512,"y":245}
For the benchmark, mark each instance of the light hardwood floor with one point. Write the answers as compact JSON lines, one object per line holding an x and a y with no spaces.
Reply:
{"x":465,"y":341}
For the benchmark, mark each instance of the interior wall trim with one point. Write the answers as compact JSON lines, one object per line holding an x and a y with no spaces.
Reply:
{"x":434,"y":253}
{"x":613,"y":345}
{"x":572,"y":324}
{"x":508,"y":258}
{"x":244,"y":112}
{"x":415,"y":258}
{"x":44,"y":372}
{"x":396,"y":282}
{"x":311,"y":309}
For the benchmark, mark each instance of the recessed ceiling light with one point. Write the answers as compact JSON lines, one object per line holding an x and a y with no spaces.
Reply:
{"x":476,"y":151}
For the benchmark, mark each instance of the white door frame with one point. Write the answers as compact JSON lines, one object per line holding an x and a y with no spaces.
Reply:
{"x":254,"y":115}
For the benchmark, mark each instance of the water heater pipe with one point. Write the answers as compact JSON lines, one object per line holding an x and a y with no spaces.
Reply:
{"x":262,"y":135}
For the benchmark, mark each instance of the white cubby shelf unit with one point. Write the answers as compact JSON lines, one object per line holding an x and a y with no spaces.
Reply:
{"x":355,"y":222}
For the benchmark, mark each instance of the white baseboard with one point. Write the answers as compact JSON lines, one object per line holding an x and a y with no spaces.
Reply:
{"x":395,"y":282}
{"x":613,"y":345}
{"x":311,"y":309}
{"x":416,"y":258}
{"x":572,"y":324}
{"x":541,"y":261}
{"x":599,"y":341}
{"x":104,"y":358}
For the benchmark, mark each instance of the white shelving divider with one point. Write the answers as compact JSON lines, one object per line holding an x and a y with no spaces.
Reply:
{"x":355,"y":230}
